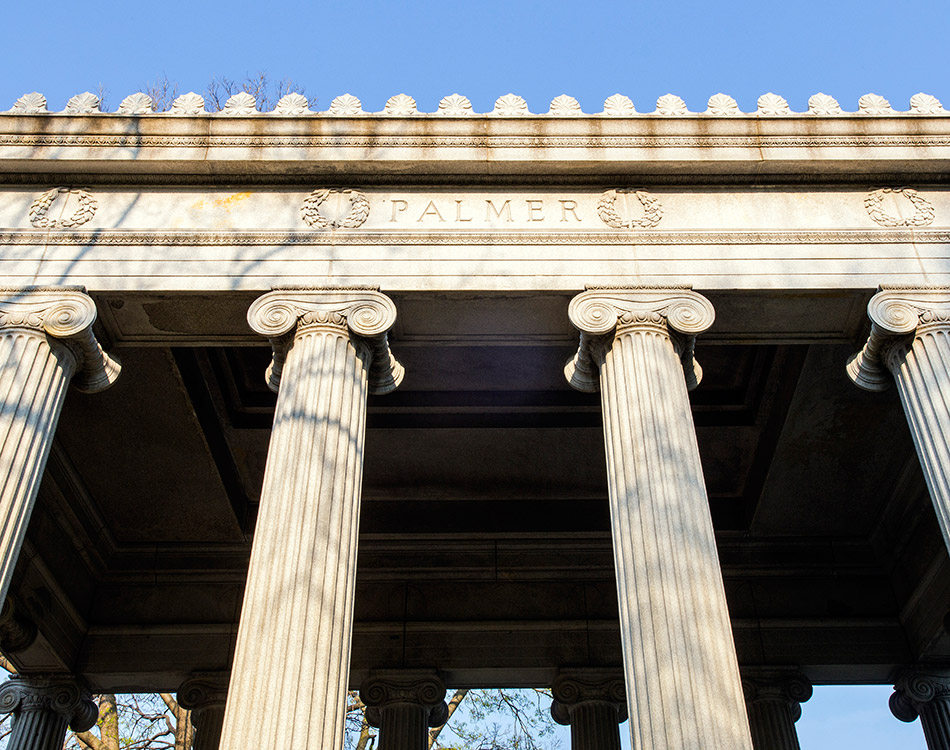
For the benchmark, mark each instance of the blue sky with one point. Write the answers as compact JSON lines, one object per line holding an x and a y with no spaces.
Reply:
{"x":538,"y":49}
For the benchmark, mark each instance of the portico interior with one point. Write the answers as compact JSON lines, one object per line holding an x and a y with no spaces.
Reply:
{"x":484,"y":533}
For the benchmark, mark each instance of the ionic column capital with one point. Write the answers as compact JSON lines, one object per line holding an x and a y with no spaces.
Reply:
{"x":17,"y":630}
{"x":917,"y":688}
{"x":897,"y":314}
{"x":203,"y":690}
{"x":575,"y":687}
{"x":61,"y":695}
{"x":205,"y":694}
{"x":600,"y":314}
{"x":364,"y":312}
{"x":65,"y":314}
{"x":416,"y":687}
{"x":770,"y":685}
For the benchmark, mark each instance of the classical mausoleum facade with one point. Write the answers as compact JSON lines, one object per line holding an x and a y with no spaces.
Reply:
{"x":393,"y":401}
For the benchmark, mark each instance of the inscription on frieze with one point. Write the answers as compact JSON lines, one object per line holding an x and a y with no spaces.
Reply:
{"x":435,"y":211}
{"x":497,"y":215}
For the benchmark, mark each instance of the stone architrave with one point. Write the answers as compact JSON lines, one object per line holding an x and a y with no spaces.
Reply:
{"x":293,"y":645}
{"x":205,"y":696}
{"x":924,"y":691}
{"x":403,"y":704}
{"x":909,"y":344}
{"x":593,"y":703}
{"x":683,"y":685}
{"x":46,"y":342}
{"x":43,"y":706}
{"x":773,"y":700}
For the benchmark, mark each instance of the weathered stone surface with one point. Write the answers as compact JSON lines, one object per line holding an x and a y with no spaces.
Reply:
{"x":683,"y":683}
{"x":330,"y":351}
{"x":46,"y":341}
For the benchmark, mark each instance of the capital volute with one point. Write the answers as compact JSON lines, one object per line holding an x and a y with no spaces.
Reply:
{"x":203,"y":690}
{"x":916,"y":688}
{"x":786,"y":686}
{"x":897,"y":315}
{"x":601,"y":314}
{"x":577,"y":687}
{"x":422,"y":688}
{"x":17,"y":629}
{"x":362,"y":312}
{"x":65,"y":314}
{"x":59,"y":694}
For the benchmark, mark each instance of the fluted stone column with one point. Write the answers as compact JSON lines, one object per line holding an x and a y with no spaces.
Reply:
{"x":592,"y":703}
{"x":924,"y":691}
{"x":910,"y":345}
{"x":773,"y":700}
{"x":46,"y":341}
{"x":403,"y":705}
{"x":43,"y":707}
{"x":205,"y":696}
{"x":683,"y":685}
{"x":293,"y":644}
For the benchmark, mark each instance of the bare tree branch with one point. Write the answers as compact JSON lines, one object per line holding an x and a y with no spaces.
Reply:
{"x":453,"y":704}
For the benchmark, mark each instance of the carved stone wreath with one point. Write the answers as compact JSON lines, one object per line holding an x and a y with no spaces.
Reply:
{"x":358,"y":213}
{"x":83,"y":213}
{"x":607,"y":209}
{"x":923,"y":208}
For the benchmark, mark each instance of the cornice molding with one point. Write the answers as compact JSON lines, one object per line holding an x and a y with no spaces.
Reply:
{"x":769,"y":105}
{"x":327,"y":237}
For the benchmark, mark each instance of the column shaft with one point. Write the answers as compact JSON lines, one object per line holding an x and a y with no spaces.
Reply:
{"x":293,"y":642}
{"x":35,"y":373}
{"x":404,"y":726}
{"x":682,"y":675}
{"x":910,"y":340}
{"x":594,"y":727}
{"x":935,"y":721}
{"x":773,"y":699}
{"x":45,"y":340}
{"x":772,"y":726}
{"x":38,"y":730}
{"x":679,"y":654}
{"x":922,"y":374}
{"x":208,"y":724}
{"x":294,"y":638}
